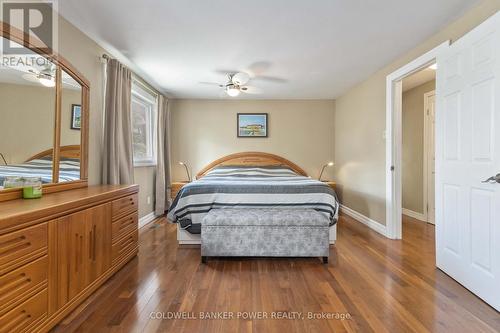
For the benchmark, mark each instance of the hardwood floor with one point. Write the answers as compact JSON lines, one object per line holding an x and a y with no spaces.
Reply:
{"x":378,"y":285}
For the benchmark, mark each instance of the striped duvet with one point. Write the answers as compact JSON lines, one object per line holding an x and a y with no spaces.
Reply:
{"x":69,"y":169}
{"x":250,"y":187}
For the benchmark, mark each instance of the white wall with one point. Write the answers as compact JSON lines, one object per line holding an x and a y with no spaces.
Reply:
{"x":299,"y":130}
{"x":27,"y":120}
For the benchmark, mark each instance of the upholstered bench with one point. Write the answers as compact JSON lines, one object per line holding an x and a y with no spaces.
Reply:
{"x":265,"y":233}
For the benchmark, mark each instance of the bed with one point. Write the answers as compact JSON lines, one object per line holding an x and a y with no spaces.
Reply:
{"x":249,"y":180}
{"x":40,"y":165}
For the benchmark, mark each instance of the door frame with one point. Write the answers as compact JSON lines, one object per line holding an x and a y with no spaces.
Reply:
{"x":426,"y":153}
{"x":393,"y":134}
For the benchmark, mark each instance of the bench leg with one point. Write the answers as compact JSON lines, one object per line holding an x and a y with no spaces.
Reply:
{"x":325,"y":260}
{"x":204,"y":259}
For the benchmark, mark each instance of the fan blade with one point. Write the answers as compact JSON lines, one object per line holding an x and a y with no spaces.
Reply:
{"x":30,"y":77}
{"x":251,"y":90}
{"x":272,"y":79}
{"x":23,"y":68}
{"x":211,"y":83}
{"x":240,"y":78}
{"x":258,"y":68}
{"x":225,"y":72}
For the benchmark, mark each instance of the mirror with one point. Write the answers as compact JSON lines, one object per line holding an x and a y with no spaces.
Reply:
{"x":71,"y":125}
{"x":43,"y":119}
{"x":27,"y":118}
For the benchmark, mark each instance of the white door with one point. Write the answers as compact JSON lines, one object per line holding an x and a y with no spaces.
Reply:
{"x":430,"y":158}
{"x":467,"y":153}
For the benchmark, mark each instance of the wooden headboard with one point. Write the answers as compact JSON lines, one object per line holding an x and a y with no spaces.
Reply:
{"x":249,"y":159}
{"x":72,"y":151}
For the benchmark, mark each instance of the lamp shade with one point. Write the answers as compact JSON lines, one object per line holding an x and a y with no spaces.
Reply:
{"x":184,"y":164}
{"x":329,"y":164}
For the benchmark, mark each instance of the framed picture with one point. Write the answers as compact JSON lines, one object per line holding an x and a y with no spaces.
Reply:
{"x":252,"y":125}
{"x":76,"y":116}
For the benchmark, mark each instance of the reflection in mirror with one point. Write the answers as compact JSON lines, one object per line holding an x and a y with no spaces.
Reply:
{"x":27,"y":113}
{"x":71,"y":121}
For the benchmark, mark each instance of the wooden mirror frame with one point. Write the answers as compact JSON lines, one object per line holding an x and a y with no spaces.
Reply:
{"x":18,"y":36}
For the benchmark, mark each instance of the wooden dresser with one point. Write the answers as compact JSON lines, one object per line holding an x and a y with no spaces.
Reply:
{"x":57,"y":250}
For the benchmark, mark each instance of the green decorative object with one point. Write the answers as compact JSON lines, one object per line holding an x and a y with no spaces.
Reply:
{"x":32,"y":188}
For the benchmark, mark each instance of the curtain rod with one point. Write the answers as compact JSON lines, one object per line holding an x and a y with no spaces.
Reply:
{"x":145,"y":84}
{"x":105,"y":58}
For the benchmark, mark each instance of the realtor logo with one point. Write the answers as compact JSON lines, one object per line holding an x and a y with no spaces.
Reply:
{"x":36,"y":19}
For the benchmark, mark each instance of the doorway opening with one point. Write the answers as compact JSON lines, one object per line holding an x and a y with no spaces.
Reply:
{"x":394,"y":137}
{"x":418,"y":146}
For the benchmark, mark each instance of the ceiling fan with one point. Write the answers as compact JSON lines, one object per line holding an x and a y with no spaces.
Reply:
{"x":237,"y":79}
{"x":236,"y":84}
{"x":46,"y":76}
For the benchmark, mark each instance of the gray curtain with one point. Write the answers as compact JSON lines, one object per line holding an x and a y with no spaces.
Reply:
{"x":162,"y":186}
{"x":118,"y":160}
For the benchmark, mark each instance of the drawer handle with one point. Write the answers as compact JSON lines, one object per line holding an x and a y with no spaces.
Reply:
{"x":14,"y":245}
{"x":91,"y":245}
{"x":94,"y":233}
{"x":126,"y":203}
{"x":13,"y":286}
{"x":126,"y":223}
{"x":13,"y":240}
{"x":16,"y":324}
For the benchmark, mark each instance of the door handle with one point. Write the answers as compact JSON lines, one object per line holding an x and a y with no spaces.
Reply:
{"x":493,"y":179}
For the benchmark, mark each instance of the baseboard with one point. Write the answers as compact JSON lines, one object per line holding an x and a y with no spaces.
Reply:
{"x":372,"y":224}
{"x":415,"y":215}
{"x":147,"y":219}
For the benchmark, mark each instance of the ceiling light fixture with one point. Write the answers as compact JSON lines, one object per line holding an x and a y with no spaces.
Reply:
{"x":46,"y":80}
{"x":232,"y":90}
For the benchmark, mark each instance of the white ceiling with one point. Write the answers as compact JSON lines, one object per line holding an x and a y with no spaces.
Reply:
{"x":318,"y":48}
{"x":418,"y":78}
{"x":14,"y":72}
{"x":13,"y":75}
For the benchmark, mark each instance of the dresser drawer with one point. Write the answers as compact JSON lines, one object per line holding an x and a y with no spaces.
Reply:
{"x":124,"y":206}
{"x":25,"y":316}
{"x":20,"y":247}
{"x":124,"y":226}
{"x":125,"y":245}
{"x":20,"y":283}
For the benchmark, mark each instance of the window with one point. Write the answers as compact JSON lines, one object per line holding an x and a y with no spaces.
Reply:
{"x":144,"y":109}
